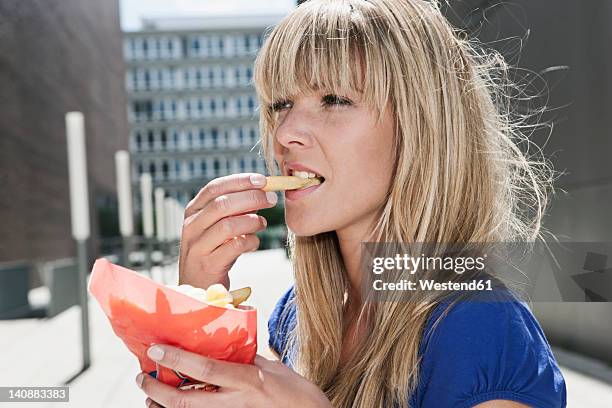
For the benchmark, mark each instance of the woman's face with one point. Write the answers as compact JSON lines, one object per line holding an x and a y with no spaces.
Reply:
{"x":337,"y":137}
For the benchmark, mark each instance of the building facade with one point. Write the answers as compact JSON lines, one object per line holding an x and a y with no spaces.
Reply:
{"x":191,"y":104}
{"x":57,"y":56}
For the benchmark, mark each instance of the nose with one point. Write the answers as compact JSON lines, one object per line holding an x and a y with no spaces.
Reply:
{"x":295,"y":129}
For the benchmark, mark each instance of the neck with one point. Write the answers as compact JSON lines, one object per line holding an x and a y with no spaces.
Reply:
{"x":350,"y":239}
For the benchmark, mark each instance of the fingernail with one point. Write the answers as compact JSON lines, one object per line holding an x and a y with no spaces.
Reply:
{"x":264,"y":221}
{"x":271,"y":197}
{"x":148,"y":402}
{"x":155,"y":353}
{"x":258,"y":180}
{"x":139,"y":380}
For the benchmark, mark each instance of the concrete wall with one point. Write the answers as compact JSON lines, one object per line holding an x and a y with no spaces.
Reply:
{"x":55,"y":56}
{"x":576,"y":34}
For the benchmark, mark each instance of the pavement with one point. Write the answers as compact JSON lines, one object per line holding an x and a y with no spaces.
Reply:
{"x":46,"y":352}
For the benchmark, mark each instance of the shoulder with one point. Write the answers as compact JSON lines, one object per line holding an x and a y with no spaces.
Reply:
{"x":281,"y":321}
{"x":486,"y":350}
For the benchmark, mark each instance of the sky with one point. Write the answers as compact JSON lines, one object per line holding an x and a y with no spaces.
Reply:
{"x":133,"y":10}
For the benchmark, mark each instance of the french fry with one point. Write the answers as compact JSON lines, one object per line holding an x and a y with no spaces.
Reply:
{"x":282,"y":183}
{"x":216,"y":294}
{"x":240,"y":295}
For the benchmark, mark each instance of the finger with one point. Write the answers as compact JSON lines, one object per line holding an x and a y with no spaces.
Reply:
{"x":266,"y":364}
{"x":170,"y":397}
{"x":152,"y":404}
{"x":226,"y":205}
{"x":226,"y":228}
{"x":229,"y":251}
{"x":221,"y":373}
{"x":224,"y":185}
{"x":262,"y":362}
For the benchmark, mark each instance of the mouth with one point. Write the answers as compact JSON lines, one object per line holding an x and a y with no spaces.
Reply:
{"x":307,"y":175}
{"x":316,"y":181}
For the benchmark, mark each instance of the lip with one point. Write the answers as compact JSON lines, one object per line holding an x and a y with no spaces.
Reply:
{"x":292,"y":195}
{"x":288,"y":166}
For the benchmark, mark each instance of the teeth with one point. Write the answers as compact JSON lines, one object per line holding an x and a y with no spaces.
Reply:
{"x":303,"y":174}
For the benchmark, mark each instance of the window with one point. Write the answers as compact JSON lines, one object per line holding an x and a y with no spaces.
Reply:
{"x":189,"y":139}
{"x":242,"y":165}
{"x":203,"y":167}
{"x":152,"y":169}
{"x":138,"y":140}
{"x":240,"y":137}
{"x":163,"y":140}
{"x":202,"y":137}
{"x":186,"y":78}
{"x":191,"y":168}
{"x":214,"y":137}
{"x":151,"y":139}
{"x":249,"y":74}
{"x":216,"y":167}
{"x":253,"y":136}
{"x":251,"y":103}
{"x":188,"y":108}
{"x":165,"y":170}
{"x":175,"y":139}
{"x":158,"y":47}
{"x":213,"y":107}
{"x":198,"y":76}
{"x":238,"y":76}
{"x":177,"y":169}
{"x":195,"y":46}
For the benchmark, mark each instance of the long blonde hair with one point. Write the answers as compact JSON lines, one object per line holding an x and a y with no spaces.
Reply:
{"x":459,"y":173}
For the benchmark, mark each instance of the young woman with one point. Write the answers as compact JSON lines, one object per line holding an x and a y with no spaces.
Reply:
{"x":405,"y":121}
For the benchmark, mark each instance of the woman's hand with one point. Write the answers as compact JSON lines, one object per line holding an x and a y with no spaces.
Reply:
{"x":219,"y":225}
{"x":266,"y":384}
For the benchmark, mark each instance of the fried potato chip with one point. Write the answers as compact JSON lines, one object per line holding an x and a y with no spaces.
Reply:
{"x":282,"y":183}
{"x":240,"y":295}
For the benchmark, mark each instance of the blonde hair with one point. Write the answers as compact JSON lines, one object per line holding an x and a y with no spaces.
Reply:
{"x":459,"y":173}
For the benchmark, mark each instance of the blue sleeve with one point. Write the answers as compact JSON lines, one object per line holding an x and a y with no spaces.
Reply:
{"x":281,"y":321}
{"x":484,"y":351}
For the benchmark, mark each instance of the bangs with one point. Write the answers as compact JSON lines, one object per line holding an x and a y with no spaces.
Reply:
{"x":323,"y":46}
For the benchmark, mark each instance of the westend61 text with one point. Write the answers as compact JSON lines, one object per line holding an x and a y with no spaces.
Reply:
{"x":430,"y":284}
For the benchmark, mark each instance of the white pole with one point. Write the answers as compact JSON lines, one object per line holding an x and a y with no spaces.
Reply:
{"x":79,"y":217}
{"x":160,"y":217}
{"x":179,"y":219}
{"x":146,"y":195}
{"x":146,"y":199}
{"x":169,"y":219}
{"x":124,"y":193}
{"x":77,"y":171}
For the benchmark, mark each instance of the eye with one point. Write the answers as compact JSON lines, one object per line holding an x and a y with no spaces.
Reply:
{"x":332,"y":99}
{"x":280,"y":105}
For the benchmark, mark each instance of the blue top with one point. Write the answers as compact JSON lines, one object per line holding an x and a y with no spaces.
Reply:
{"x":480,"y":351}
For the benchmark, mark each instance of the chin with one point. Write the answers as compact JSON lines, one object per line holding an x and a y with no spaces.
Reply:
{"x":304,"y":226}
